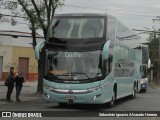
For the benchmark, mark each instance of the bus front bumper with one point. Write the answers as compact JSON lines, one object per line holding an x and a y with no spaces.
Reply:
{"x":96,"y":97}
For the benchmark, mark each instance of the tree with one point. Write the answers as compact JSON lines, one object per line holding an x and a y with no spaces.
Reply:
{"x":38,"y":14}
{"x":153,"y":45}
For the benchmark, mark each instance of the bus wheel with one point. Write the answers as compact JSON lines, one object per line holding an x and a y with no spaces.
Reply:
{"x":133,"y":92}
{"x":111,"y":103}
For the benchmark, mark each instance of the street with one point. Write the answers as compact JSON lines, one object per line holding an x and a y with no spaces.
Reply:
{"x":148,"y":101}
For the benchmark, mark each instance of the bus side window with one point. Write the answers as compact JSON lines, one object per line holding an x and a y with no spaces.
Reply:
{"x":143,"y":71}
{"x":108,"y":66}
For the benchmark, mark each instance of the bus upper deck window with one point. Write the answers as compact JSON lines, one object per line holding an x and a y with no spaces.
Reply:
{"x":61,"y":30}
{"x":92,"y":28}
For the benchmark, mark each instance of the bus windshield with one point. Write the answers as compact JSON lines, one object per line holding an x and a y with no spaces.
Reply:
{"x":73,"y":65}
{"x":77,"y":27}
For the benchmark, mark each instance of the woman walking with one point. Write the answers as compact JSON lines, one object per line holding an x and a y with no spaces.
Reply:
{"x":19,"y":84}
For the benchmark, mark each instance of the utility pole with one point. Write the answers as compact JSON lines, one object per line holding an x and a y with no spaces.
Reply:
{"x":158,"y":72}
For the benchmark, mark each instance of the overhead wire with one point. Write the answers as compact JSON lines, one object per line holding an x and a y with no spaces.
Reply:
{"x":116,"y":11}
{"x":119,"y":11}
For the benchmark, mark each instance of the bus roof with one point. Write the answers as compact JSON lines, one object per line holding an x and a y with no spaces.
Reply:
{"x":83,"y":14}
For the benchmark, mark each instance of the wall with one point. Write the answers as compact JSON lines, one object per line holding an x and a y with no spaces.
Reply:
{"x":27,"y":52}
{"x":13,"y":48}
{"x":6,"y":52}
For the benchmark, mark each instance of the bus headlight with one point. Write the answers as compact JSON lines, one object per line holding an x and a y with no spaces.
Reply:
{"x":48,"y":87}
{"x":46,"y":95}
{"x":142,"y":81}
{"x":94,"y":89}
{"x":97,"y":87}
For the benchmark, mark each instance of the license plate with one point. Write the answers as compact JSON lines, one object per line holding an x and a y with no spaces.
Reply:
{"x":70,"y":97}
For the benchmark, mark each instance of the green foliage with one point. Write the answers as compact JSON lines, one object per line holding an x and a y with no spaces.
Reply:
{"x":13,"y":21}
{"x":36,"y":13}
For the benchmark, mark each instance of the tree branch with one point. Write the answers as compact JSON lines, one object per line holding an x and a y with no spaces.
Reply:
{"x":40,"y":19}
{"x":46,"y":5}
{"x":49,"y":11}
{"x":25,"y":9}
{"x":36,"y":8}
{"x":45,"y":2}
{"x":53,"y":9}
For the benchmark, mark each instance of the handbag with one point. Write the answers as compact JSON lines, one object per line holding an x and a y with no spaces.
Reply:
{"x":6,"y":83}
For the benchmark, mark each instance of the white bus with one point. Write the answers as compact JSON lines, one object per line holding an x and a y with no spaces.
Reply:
{"x":90,"y":59}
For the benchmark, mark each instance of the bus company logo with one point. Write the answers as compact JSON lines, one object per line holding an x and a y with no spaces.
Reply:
{"x":6,"y":114}
{"x":70,"y":91}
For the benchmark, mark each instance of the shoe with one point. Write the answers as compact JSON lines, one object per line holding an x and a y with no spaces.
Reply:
{"x":9,"y":100}
{"x":18,"y":100}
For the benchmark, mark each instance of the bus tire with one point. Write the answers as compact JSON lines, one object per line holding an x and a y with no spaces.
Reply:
{"x":133,"y":95}
{"x":137,"y":87}
{"x":112,"y":102}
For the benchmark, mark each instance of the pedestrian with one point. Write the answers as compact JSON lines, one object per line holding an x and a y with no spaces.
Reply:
{"x":10,"y":84}
{"x":19,"y":84}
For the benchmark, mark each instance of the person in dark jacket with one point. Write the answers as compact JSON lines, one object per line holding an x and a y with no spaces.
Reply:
{"x":19,"y":84}
{"x":10,"y":84}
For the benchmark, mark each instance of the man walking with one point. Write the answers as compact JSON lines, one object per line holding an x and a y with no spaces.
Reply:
{"x":10,"y":84}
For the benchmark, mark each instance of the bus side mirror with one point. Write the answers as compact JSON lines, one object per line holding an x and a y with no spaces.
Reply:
{"x":38,"y":48}
{"x":105,"y":51}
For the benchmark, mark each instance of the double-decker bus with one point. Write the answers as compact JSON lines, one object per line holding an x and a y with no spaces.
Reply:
{"x":90,"y":59}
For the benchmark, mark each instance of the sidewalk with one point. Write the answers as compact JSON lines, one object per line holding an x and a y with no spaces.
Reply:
{"x":154,"y":85}
{"x":28,"y":93}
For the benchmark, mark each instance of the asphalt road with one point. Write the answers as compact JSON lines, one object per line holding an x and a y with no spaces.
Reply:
{"x":149,"y":101}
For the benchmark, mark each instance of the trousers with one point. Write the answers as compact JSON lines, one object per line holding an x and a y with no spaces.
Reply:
{"x":9,"y":91}
{"x":18,"y":91}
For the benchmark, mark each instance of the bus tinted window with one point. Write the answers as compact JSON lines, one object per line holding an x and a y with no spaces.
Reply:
{"x":77,"y":28}
{"x":80,"y":65}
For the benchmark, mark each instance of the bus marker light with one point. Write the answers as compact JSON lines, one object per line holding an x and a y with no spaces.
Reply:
{"x":46,"y":95}
{"x":97,"y":96}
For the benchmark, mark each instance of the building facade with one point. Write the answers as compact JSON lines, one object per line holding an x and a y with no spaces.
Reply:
{"x":16,"y":50}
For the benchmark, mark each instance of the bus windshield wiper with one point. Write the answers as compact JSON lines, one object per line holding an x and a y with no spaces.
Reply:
{"x":97,"y":75}
{"x":65,"y":75}
{"x":54,"y":75}
{"x":81,"y":74}
{"x":69,"y":74}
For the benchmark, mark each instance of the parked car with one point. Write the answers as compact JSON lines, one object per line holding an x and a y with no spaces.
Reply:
{"x":144,"y":84}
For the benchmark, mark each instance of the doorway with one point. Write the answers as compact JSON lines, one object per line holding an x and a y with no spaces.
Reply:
{"x":23,"y":66}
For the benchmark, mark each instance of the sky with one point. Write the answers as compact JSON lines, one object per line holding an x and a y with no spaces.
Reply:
{"x":135,"y":14}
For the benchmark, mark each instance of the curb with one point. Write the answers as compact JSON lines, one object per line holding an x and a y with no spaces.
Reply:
{"x":26,"y":98}
{"x":23,"y":85}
